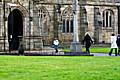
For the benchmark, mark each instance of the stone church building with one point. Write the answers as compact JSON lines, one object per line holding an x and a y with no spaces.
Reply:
{"x":38,"y":22}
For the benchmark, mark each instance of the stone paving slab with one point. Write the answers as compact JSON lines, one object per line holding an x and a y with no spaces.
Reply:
{"x":102,"y":54}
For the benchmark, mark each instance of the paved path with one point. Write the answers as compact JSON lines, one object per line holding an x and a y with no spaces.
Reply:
{"x":102,"y":54}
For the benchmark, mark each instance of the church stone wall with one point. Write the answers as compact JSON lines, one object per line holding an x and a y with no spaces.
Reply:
{"x":23,"y":6}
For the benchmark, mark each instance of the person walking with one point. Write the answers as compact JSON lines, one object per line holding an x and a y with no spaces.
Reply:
{"x":56,"y":44}
{"x":113,"y":44}
{"x":88,"y":41}
{"x":118,"y":43}
{"x":21,"y":49}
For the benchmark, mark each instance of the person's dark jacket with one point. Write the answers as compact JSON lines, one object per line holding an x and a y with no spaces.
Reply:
{"x":118,"y":41}
{"x":87,"y":40}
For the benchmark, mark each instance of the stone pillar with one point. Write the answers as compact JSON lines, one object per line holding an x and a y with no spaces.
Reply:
{"x":75,"y":45}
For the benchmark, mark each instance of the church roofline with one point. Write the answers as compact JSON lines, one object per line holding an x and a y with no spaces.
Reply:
{"x":89,"y":4}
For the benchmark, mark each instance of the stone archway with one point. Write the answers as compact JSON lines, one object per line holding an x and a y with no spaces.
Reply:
{"x":15,"y":29}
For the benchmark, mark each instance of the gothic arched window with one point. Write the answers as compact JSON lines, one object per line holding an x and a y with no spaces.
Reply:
{"x":67,"y":20}
{"x":108,"y":18}
{"x":44,"y":20}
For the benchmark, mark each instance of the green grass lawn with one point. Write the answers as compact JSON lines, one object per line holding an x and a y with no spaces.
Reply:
{"x":94,"y":50}
{"x":98,"y":49}
{"x":59,"y":68}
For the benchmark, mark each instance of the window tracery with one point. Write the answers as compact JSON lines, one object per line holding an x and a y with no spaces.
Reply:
{"x":67,"y":19}
{"x":108,"y":18}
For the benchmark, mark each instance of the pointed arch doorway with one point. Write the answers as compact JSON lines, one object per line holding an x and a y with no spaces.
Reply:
{"x":15,"y":29}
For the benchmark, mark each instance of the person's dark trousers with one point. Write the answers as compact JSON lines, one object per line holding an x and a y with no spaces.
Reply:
{"x":56,"y":50}
{"x":87,"y":50}
{"x":112,"y":51}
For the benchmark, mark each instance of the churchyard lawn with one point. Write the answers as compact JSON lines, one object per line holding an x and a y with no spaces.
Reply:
{"x":59,"y":68}
{"x":93,"y":50}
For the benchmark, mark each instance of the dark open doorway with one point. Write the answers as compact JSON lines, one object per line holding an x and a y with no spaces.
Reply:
{"x":15,"y":29}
